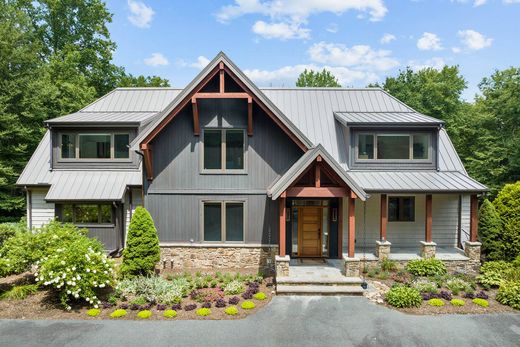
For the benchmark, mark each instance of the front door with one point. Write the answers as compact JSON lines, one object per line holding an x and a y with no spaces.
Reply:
{"x":310,"y":231}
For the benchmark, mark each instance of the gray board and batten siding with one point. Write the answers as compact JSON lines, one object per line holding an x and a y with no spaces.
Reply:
{"x":174,"y":196}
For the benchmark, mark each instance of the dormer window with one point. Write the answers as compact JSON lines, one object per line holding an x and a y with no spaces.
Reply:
{"x":94,"y":146}
{"x":393,"y":146}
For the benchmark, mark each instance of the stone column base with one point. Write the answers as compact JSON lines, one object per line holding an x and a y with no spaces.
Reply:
{"x":352,"y":267}
{"x":282,"y":266}
{"x":472,"y":250}
{"x":428,"y":249}
{"x":382,"y":249}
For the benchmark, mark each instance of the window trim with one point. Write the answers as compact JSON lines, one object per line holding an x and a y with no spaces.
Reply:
{"x":413,"y":220}
{"x":223,"y":225}
{"x":410,"y":159}
{"x":59,"y":208}
{"x":77,"y":136}
{"x":223,"y":170}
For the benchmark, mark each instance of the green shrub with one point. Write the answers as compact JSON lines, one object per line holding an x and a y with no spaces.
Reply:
{"x":424,"y":285}
{"x":94,"y":312}
{"x":170,"y":314}
{"x":388,"y":265}
{"x":142,"y":250}
{"x":260,"y":296}
{"x":79,"y":269}
{"x":490,"y":229}
{"x":20,"y":292}
{"x":457,"y":285}
{"x":509,"y":294}
{"x":7,"y":230}
{"x":401,"y":297}
{"x":144,"y":314}
{"x":248,"y":305}
{"x":426,"y":267}
{"x":457,"y":302}
{"x":480,"y":302}
{"x":203,"y":312}
{"x":118,"y":313}
{"x":234,"y":287}
{"x":507,"y":205}
{"x":153,"y":289}
{"x":436,"y":302}
{"x":231,"y":310}
{"x":492,"y":273}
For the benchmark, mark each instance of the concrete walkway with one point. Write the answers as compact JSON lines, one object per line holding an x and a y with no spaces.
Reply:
{"x":287,"y":321}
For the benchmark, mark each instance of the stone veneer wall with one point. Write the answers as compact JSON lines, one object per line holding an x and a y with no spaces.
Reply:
{"x":251,"y":259}
{"x":464,"y":266}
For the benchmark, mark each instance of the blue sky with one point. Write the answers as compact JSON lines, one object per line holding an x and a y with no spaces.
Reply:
{"x":360,"y":41}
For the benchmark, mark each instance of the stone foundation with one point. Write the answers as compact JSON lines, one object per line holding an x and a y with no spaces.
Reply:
{"x":250,"y":259}
{"x":352,"y":267}
{"x":428,"y":249}
{"x":282,"y":266}
{"x":383,"y":249}
{"x":472,"y":250}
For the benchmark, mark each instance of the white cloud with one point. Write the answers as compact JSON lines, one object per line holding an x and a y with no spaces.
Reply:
{"x":332,"y":28}
{"x":282,"y":31}
{"x":436,"y":63}
{"x":287,"y":75}
{"x":429,"y":42}
{"x":141,"y":14}
{"x":508,"y":2}
{"x":473,"y":40}
{"x":295,"y":13}
{"x":456,"y":49}
{"x":156,"y":59}
{"x":387,"y":38}
{"x":201,"y":62}
{"x":360,"y":55}
{"x":476,"y":3}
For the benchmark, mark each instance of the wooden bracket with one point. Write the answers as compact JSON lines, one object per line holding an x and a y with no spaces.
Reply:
{"x":317,"y":176}
{"x":148,"y":163}
{"x":250,"y":116}
{"x":221,"y":68}
{"x":196,"y":124}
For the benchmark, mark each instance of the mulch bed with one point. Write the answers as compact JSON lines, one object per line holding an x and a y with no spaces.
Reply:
{"x":45,"y":305}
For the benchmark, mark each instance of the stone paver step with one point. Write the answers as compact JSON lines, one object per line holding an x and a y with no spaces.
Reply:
{"x":319,"y":290}
{"x":327,"y":281}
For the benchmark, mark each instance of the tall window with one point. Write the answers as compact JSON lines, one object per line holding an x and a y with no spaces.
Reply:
{"x":223,"y":221}
{"x":224,"y":150}
{"x":387,"y":146}
{"x":401,"y":209}
{"x":94,"y":146}
{"x":85,"y":213}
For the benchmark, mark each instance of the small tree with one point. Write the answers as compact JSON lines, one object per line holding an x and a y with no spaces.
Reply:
{"x":507,"y":205}
{"x":489,"y":226}
{"x":311,"y":78}
{"x":142,"y":250}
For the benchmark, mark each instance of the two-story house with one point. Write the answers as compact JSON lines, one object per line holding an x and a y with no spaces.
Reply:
{"x":234,"y":175}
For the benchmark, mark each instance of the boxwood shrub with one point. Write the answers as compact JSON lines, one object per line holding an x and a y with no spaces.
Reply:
{"x":457,"y":302}
{"x":509,"y":294}
{"x":170,"y":314}
{"x":436,"y":302}
{"x":401,"y":297}
{"x":260,"y":296}
{"x":480,"y":302}
{"x":248,"y":305}
{"x":203,"y":312}
{"x":94,"y":312}
{"x":144,"y":314}
{"x":118,"y":313}
{"x":426,"y":267}
{"x":231,"y":310}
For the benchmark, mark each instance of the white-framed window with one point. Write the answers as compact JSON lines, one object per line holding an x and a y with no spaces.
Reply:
{"x":394,"y":146}
{"x":223,"y":150}
{"x":401,"y":209}
{"x":94,"y":146}
{"x":223,"y":221}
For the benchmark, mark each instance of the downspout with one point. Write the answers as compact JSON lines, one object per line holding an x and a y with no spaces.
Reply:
{"x":138,"y":152}
{"x":437,"y":147}
{"x":29,"y":207}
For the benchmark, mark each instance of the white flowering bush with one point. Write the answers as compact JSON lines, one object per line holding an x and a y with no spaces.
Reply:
{"x":78,"y":270}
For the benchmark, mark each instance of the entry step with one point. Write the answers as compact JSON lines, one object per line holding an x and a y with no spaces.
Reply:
{"x":318,"y":290}
{"x":325,"y":281}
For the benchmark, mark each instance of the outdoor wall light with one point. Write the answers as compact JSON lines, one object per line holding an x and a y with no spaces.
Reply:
{"x":288,"y":214}
{"x":335,"y":214}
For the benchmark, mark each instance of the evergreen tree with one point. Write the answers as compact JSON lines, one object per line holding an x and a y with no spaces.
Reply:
{"x":142,"y":250}
{"x":507,"y":205}
{"x":490,"y":228}
{"x":311,"y":78}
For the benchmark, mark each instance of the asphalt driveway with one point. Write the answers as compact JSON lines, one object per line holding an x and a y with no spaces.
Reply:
{"x":286,"y":321}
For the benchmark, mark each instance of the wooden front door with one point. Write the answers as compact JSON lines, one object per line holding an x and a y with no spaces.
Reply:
{"x":309,"y":231}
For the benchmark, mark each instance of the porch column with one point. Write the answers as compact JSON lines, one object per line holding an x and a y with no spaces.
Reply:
{"x":384,"y":219}
{"x":428,"y":246}
{"x":281,"y":228}
{"x":473,"y":222}
{"x":428,"y":221}
{"x":351,"y":224}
